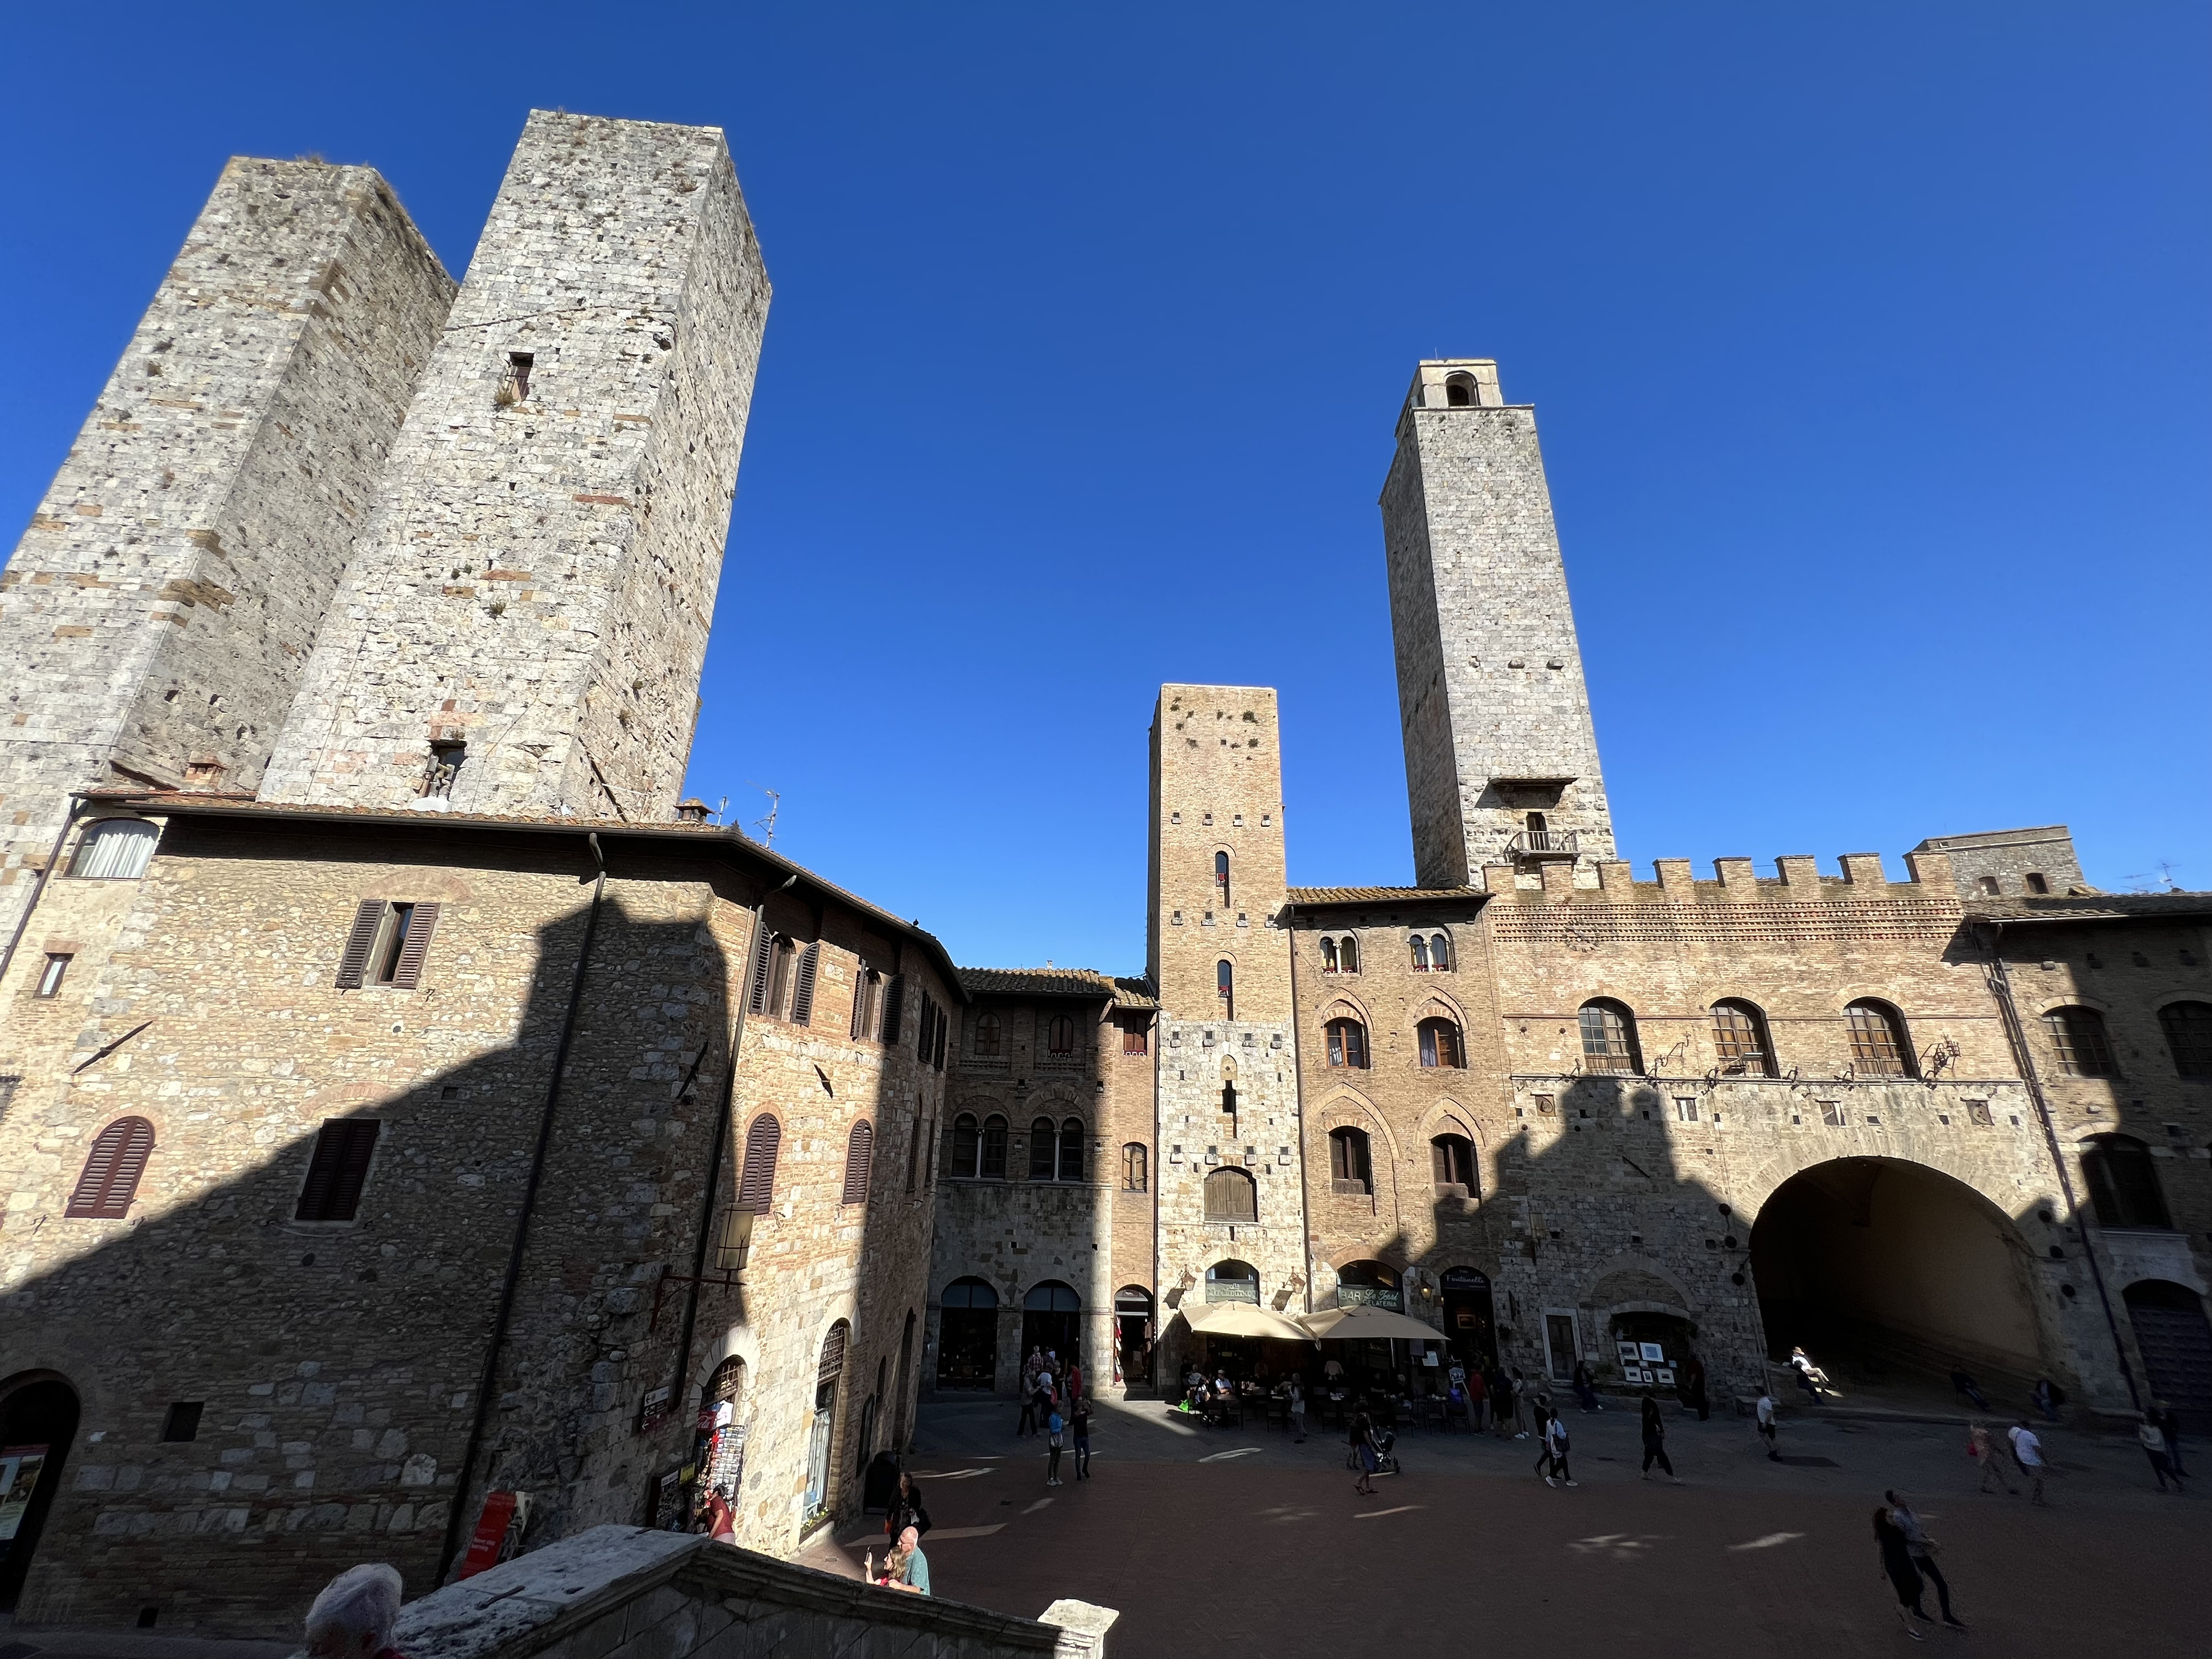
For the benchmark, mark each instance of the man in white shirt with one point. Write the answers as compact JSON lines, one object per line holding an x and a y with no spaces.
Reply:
{"x":2027,"y":1452}
{"x":1766,"y":1424}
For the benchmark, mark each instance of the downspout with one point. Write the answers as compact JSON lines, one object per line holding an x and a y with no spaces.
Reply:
{"x":39,"y":887}
{"x":457,"y":1514}
{"x":1298,"y":1093}
{"x":2016,"y":1034}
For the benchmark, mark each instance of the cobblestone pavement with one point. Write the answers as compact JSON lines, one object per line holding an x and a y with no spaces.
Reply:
{"x":1227,"y":1542}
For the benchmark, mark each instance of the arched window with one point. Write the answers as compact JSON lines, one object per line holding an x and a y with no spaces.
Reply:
{"x":1347,"y":1043}
{"x":756,"y":1185}
{"x":967,"y":1147}
{"x":994,"y":1148}
{"x":827,"y":1374}
{"x":1459,"y":392}
{"x":1879,"y":1045}
{"x":1221,"y":877}
{"x":1136,"y":1167}
{"x":1368,"y":1285}
{"x":1350,"y":1170}
{"x":1328,"y":954}
{"x":1609,"y":1039}
{"x":110,"y":1179}
{"x":1420,"y":947}
{"x":859,"y":1158}
{"x":115,"y":849}
{"x":1440,"y":956}
{"x":1224,"y":986}
{"x":1440,"y":1043}
{"x":1052,"y":1297}
{"x":968,"y":1293}
{"x":2078,"y":1034}
{"x":1233,"y":1281}
{"x":1229,"y":1100}
{"x":1071,"y":1150}
{"x":725,"y":1386}
{"x":1739,"y":1039}
{"x":1060,"y":1035}
{"x":1231,"y":1195}
{"x":1452,"y":1159}
{"x":987,"y":1036}
{"x":1041,"y":1140}
{"x":2188,"y":1028}
{"x":1347,"y":952}
{"x":2123,"y":1179}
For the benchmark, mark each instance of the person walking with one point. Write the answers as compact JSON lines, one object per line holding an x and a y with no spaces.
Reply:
{"x":906,"y":1509}
{"x":1691,"y":1378}
{"x":1765,"y":1416}
{"x":1478,"y":1398}
{"x":1363,"y":1448}
{"x":2048,"y":1397}
{"x":1904,"y":1576}
{"x":2154,"y":1447}
{"x":2027,"y":1452}
{"x":1501,"y":1402}
{"x":1517,"y":1394}
{"x":1074,"y":1382}
{"x":1962,"y":1382}
{"x":1555,"y":1442}
{"x":1543,"y":1465}
{"x":2169,"y":1420}
{"x":1298,"y":1410}
{"x":1586,"y":1386}
{"x":1056,"y":1426}
{"x":1978,"y":1445}
{"x":1080,"y":1420}
{"x":1921,"y":1549}
{"x":1655,"y":1439}
{"x":1030,"y":1367}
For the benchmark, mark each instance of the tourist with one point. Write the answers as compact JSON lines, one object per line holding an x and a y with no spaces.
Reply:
{"x":1332,"y":1372}
{"x":352,"y":1618}
{"x":1520,"y":1394}
{"x":1030,"y":1367}
{"x":1080,"y":1420}
{"x":1478,"y":1395}
{"x":1555,"y":1445}
{"x":1921,"y":1549}
{"x":906,"y":1568}
{"x":1803,"y":1367}
{"x":1055,"y":1427}
{"x":1040,"y":1397}
{"x":1298,"y":1410}
{"x":2048,"y":1397}
{"x":906,"y":1508}
{"x":1690,"y":1381}
{"x":1978,"y":1445}
{"x":1897,"y":1563}
{"x":1074,"y":1381}
{"x":1654,"y":1438}
{"x":1765,"y":1417}
{"x":2169,"y":1419}
{"x":1962,"y":1382}
{"x":717,"y":1520}
{"x":2027,"y":1452}
{"x":1585,"y":1386}
{"x":1363,"y":1448}
{"x":1501,"y":1402}
{"x":2154,"y":1446}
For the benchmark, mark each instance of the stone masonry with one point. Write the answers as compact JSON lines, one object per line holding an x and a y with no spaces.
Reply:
{"x":528,"y":603}
{"x":158,"y":611}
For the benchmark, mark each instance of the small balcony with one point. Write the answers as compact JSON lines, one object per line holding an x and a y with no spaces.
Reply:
{"x":1546,"y":844}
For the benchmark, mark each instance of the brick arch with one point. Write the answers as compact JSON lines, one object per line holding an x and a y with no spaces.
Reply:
{"x":1438,"y":1005}
{"x":740,"y":1342}
{"x":1343,"y":1003}
{"x":1644,"y":1288}
{"x":1450,"y":1111}
{"x":1845,"y":995}
{"x":1391,"y":1254}
{"x":2042,"y":1006}
{"x":1349,"y":1109}
{"x":1760,"y":1176}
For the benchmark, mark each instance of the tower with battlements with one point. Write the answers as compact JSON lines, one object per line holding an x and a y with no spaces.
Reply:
{"x":1501,"y":760}
{"x":523,"y":624}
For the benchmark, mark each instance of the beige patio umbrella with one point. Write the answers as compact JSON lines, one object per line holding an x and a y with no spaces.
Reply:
{"x":1349,"y":1324}
{"x":1244,"y":1319}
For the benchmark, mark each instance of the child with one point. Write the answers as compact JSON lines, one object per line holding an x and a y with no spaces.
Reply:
{"x":1055,"y":1425}
{"x":1081,"y":1424}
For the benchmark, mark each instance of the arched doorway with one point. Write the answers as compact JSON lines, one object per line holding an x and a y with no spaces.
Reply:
{"x":1369,"y":1285}
{"x":720,"y":1458}
{"x":1470,"y":1322}
{"x":1886,"y":1271}
{"x":38,"y":1422}
{"x":968,"y":1335}
{"x":2176,"y":1344}
{"x":1133,"y":1333}
{"x":1051,"y":1320}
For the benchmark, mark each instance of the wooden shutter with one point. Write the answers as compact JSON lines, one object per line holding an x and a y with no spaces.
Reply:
{"x":354,"y":963}
{"x":860,"y":988}
{"x":802,"y":999}
{"x":338,"y":1170}
{"x":914,"y":1153}
{"x":764,"y":942}
{"x":859,"y":1159}
{"x":944,"y":1024}
{"x":894,"y":1006}
{"x":756,"y":1186}
{"x":111,"y":1175}
{"x":408,"y":974}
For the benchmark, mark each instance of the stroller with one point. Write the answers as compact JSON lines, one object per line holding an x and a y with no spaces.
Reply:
{"x":1386,"y":1453}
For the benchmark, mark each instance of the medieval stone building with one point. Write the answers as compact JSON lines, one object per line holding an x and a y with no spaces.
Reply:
{"x":413,"y":1115}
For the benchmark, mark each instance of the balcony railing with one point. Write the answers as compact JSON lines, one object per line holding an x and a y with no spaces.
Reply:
{"x":1546,"y":844}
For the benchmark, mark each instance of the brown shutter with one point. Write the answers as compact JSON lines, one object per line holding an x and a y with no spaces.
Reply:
{"x":860,"y":1000}
{"x":914,"y":1153}
{"x":338,"y":1170}
{"x":756,"y":1186}
{"x":944,"y":1024}
{"x":354,"y":963}
{"x":764,"y":942}
{"x":408,"y":974}
{"x":894,"y":1007}
{"x":802,"y":999}
{"x":111,"y":1175}
{"x":859,"y":1158}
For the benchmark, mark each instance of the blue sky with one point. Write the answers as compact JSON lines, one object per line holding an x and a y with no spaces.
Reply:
{"x":1869,"y":346}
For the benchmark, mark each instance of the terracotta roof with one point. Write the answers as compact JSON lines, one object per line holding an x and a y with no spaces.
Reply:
{"x":2099,"y":907}
{"x":1057,"y":983}
{"x":1382,"y":894}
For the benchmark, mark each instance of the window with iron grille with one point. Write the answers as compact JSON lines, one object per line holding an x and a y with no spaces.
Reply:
{"x":1440,"y":1043}
{"x":1608,"y":1032}
{"x":2078,"y":1034}
{"x":2188,"y":1028}
{"x":112,"y":1169}
{"x":1879,"y":1048}
{"x":1347,"y":1043}
{"x":338,"y":1170}
{"x":1739,"y":1040}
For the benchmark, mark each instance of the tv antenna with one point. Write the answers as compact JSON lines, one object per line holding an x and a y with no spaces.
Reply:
{"x":766,"y":824}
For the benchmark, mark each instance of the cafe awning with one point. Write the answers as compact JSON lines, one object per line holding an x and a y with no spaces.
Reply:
{"x":1351,"y":1324}
{"x":1242,"y":1319}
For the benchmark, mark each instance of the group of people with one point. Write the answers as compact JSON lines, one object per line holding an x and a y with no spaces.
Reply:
{"x":904,"y":1567}
{"x":1908,"y":1558}
{"x":1056,"y":1404}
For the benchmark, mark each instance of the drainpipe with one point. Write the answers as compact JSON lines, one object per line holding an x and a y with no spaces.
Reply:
{"x":39,"y":887}
{"x":1299,"y":1084}
{"x":2016,"y":1034}
{"x":457,"y":1514}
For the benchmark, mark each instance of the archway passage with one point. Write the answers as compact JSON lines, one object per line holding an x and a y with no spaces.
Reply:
{"x":1891,"y":1274}
{"x":2176,"y":1344}
{"x":1470,"y":1322}
{"x":38,"y":1421}
{"x":1051,"y":1321}
{"x":1133,"y":1333}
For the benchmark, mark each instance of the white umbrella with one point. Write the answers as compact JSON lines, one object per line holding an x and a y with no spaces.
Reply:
{"x":1244,"y":1319}
{"x":1351,"y":1324}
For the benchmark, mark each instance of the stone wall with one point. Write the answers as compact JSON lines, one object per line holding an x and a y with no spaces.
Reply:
{"x":159,"y":609}
{"x":537,"y":576}
{"x":1998,"y":864}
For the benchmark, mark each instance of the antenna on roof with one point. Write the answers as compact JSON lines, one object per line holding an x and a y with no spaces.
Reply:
{"x":767,"y":825}
{"x":722,"y":811}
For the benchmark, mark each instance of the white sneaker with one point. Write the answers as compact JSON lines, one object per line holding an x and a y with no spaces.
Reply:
{"x":1549,"y":1481}
{"x":1523,"y":1435}
{"x":1574,"y":1483}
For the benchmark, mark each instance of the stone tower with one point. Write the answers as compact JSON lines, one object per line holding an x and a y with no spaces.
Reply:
{"x":1501,"y":761}
{"x":156,"y":614}
{"x":1227,"y":1078}
{"x":522,"y":627}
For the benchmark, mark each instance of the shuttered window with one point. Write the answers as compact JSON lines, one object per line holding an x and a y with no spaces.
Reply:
{"x":413,"y":943}
{"x":937,"y":1052}
{"x":387,"y":945}
{"x":338,"y":1170}
{"x":894,"y":1007}
{"x":353,"y":965}
{"x":802,"y":995}
{"x":756,"y":1186}
{"x":859,"y":1159}
{"x":867,"y":990}
{"x":757,"y":992}
{"x":111,"y":1175}
{"x":913,"y":1154}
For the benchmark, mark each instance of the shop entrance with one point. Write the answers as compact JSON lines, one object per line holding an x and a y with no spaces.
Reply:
{"x":1133,"y":1335}
{"x":1469,"y":1320}
{"x":1890,"y":1273}
{"x":38,"y":1421}
{"x":1051,"y":1320}
{"x":968,"y":1335}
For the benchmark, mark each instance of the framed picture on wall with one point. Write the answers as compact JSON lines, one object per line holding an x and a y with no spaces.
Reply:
{"x":1654,"y":1353}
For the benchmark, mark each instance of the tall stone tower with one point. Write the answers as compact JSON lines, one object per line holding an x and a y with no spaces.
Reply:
{"x":522,"y":627}
{"x":1501,"y":761}
{"x":1230,"y":1216}
{"x":157,"y":612}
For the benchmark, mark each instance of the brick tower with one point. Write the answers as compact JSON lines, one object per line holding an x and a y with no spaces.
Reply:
{"x":1227,"y":1077}
{"x":1501,"y":761}
{"x":157,"y":613}
{"x":522,"y":627}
